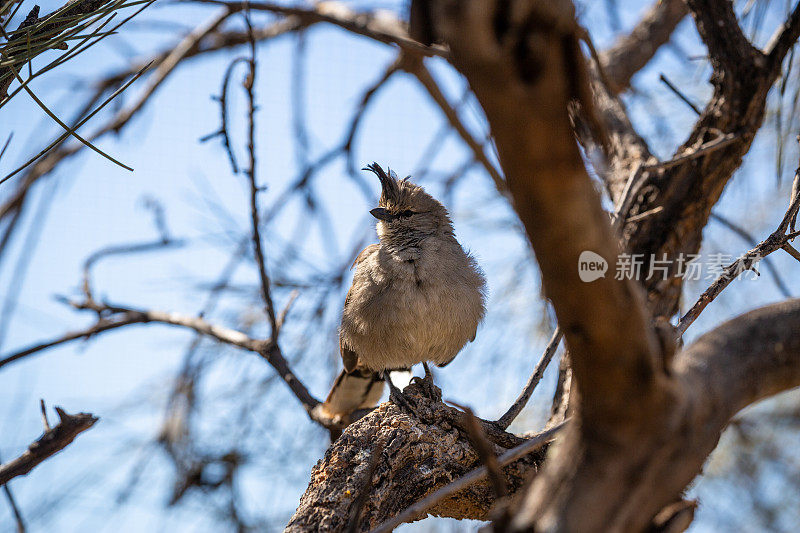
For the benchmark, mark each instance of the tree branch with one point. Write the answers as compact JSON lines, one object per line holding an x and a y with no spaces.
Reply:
{"x":687,"y":187}
{"x":428,"y":462}
{"x":383,"y":30}
{"x":115,"y":316}
{"x":610,"y":340}
{"x":416,"y":67}
{"x":50,"y":443}
{"x":777,"y":240}
{"x":538,"y":372}
{"x":746,"y":359}
{"x":783,"y":39}
{"x":633,"y":51}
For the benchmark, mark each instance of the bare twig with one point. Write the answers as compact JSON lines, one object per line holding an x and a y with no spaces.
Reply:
{"x":12,"y":503}
{"x":416,"y":67}
{"x":679,"y":94}
{"x":99,"y":327}
{"x":791,"y":250}
{"x":223,"y":108}
{"x":8,"y":141}
{"x":123,"y":249}
{"x":258,"y":250}
{"x":43,"y":409}
{"x":51,"y":442}
{"x":519,"y":404}
{"x":633,"y":51}
{"x":115,"y":316}
{"x":711,"y":146}
{"x":385,"y":31}
{"x":779,"y":239}
{"x":784,"y":38}
{"x":745,"y":235}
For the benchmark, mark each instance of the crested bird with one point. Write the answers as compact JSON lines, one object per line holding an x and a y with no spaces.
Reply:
{"x":416,"y":297}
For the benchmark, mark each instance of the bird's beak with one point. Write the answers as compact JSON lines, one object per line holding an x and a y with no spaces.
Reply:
{"x":382,"y":214}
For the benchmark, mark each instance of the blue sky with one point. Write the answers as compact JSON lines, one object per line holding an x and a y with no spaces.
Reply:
{"x":124,"y":376}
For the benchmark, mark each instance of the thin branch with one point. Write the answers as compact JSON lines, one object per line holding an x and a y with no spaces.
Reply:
{"x":784,"y":38}
{"x":417,"y":68}
{"x":12,"y":503}
{"x":679,"y":94}
{"x":519,"y":404}
{"x":223,"y":108}
{"x":776,"y":241}
{"x":5,"y":146}
{"x":249,"y":85}
{"x":485,"y":452}
{"x":124,"y":249}
{"x":633,"y":51}
{"x":43,"y":409}
{"x":51,"y":442}
{"x":115,"y":316}
{"x":385,"y":30}
{"x":363,"y":104}
{"x":711,"y":146}
{"x":750,"y":239}
{"x":791,"y":250}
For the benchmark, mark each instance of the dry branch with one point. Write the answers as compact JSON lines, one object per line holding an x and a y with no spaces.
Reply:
{"x":633,"y":51}
{"x":538,"y":372}
{"x":422,"y":454}
{"x":688,"y":186}
{"x":779,"y":239}
{"x":114,"y":316}
{"x":50,"y":443}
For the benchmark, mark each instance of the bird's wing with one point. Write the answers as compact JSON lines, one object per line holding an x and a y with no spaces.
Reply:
{"x":349,"y":357}
{"x":363,"y":255}
{"x":357,"y":387}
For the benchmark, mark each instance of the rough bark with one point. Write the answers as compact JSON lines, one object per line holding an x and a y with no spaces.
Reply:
{"x":621,"y":486}
{"x":418,"y":455}
{"x":685,"y":192}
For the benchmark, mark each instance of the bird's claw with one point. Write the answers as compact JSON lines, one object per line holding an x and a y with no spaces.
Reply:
{"x":426,"y":384}
{"x":402,"y":401}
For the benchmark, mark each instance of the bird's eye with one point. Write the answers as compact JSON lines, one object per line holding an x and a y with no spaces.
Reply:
{"x":406,"y":213}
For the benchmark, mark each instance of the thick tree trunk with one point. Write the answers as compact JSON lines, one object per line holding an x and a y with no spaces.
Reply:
{"x":645,"y":418}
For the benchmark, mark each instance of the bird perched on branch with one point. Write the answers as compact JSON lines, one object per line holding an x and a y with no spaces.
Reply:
{"x":417,"y":296}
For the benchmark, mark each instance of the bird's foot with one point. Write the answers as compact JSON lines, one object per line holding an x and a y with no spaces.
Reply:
{"x":426,"y":384}
{"x":400,"y":399}
{"x":404,"y":402}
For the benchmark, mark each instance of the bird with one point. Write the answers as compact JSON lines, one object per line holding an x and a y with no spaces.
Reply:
{"x":417,"y":296}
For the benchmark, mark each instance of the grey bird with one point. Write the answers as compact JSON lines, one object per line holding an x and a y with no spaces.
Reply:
{"x":417,"y":296}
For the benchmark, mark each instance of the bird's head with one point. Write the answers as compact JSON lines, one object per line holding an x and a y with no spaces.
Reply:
{"x":406,"y":213}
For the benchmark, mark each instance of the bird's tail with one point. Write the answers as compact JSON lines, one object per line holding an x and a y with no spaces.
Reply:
{"x":359,"y":389}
